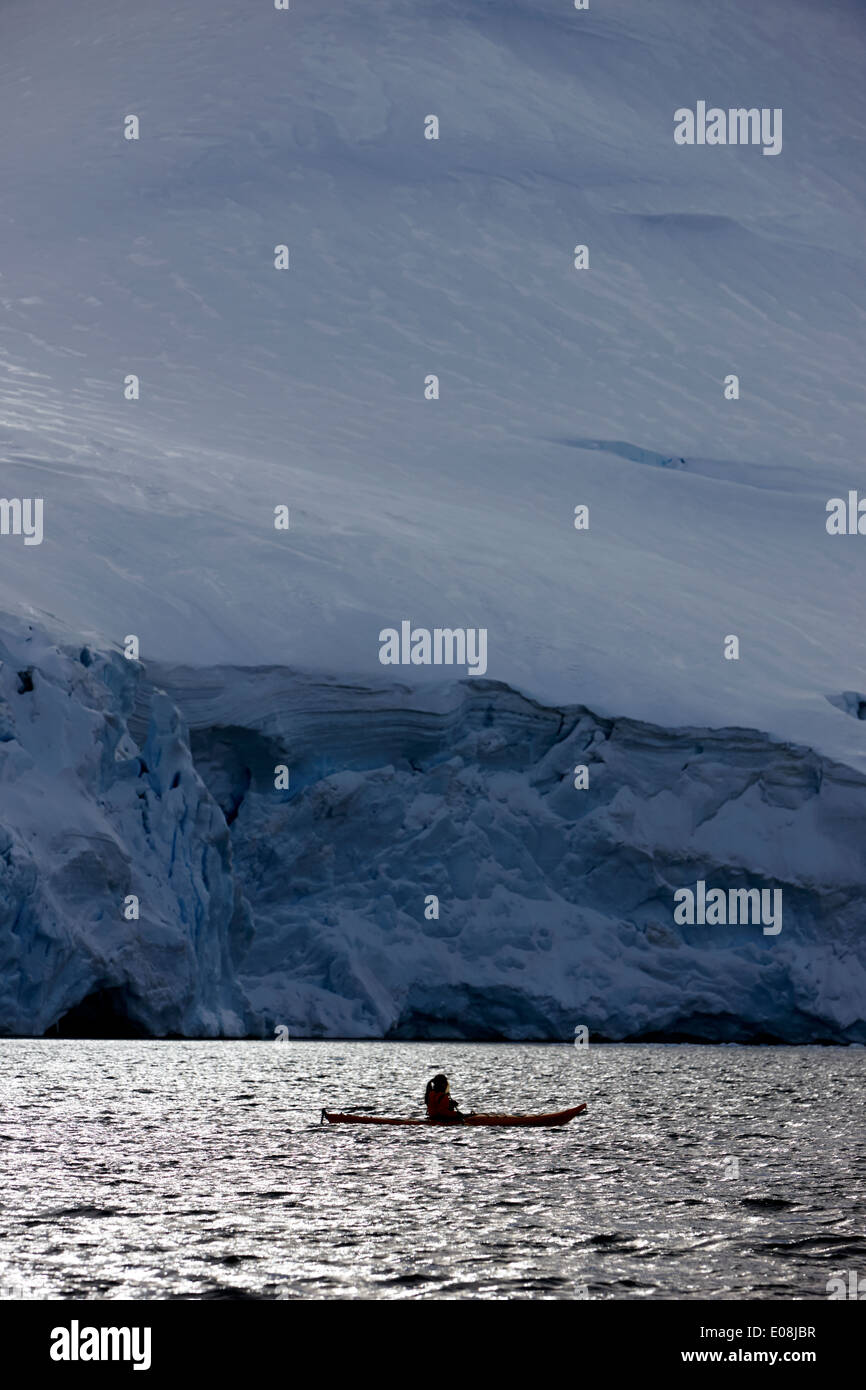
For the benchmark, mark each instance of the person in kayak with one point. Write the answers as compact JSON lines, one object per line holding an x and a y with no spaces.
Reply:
{"x":440,"y":1107}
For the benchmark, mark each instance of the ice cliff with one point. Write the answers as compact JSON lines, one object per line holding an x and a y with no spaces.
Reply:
{"x":309,"y":907}
{"x":88,"y":819}
{"x":555,"y":904}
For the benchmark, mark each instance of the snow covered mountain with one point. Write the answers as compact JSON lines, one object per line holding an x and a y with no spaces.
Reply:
{"x":304,"y":388}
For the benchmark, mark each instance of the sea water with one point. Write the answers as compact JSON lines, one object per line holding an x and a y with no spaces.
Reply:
{"x":189,"y":1170}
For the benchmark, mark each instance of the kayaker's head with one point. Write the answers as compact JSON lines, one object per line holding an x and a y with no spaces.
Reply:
{"x":439,"y":1083}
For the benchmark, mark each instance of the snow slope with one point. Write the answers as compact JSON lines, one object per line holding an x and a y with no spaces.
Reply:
{"x":409,"y":257}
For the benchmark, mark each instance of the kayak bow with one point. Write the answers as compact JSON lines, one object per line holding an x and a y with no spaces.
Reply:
{"x":557,"y":1117}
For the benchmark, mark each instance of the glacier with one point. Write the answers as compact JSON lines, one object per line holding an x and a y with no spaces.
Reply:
{"x":304,"y":908}
{"x":555,"y":904}
{"x":304,"y":389}
{"x":88,"y":818}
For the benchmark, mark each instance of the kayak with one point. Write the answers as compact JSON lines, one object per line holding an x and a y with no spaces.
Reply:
{"x":556,"y":1117}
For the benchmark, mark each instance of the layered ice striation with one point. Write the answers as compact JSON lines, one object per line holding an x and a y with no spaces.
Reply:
{"x":88,"y":819}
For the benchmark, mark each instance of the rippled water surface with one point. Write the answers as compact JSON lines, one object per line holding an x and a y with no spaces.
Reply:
{"x":199,"y":1170}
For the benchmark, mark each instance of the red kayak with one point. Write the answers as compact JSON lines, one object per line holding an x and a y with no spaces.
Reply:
{"x":557,"y":1117}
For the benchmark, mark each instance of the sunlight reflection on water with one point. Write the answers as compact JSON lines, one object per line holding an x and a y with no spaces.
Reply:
{"x":199,"y":1170}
